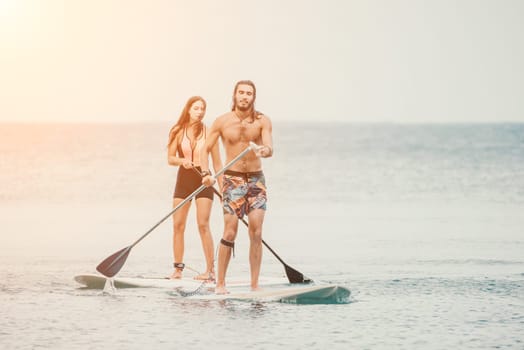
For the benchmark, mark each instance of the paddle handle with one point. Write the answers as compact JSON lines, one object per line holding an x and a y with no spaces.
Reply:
{"x":252,"y":147}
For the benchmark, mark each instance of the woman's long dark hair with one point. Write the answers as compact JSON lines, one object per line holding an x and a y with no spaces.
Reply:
{"x":183,"y":120}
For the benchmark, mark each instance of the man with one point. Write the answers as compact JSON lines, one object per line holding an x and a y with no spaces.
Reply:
{"x":243,"y":185}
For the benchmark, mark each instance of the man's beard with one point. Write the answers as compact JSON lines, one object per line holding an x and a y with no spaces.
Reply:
{"x":244,"y":108}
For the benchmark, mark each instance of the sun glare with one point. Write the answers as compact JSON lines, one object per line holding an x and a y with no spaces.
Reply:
{"x":18,"y":13}
{"x":8,"y":8}
{"x":19,"y":20}
{"x":11,"y":17}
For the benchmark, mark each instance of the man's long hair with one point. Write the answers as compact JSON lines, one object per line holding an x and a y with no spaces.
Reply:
{"x":252,"y":112}
{"x":183,"y":120}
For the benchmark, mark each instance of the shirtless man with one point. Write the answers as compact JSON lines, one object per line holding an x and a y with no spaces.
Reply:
{"x":243,"y":185}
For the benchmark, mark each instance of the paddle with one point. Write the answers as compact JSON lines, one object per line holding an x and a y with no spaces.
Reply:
{"x":112,"y":264}
{"x":293,"y":275}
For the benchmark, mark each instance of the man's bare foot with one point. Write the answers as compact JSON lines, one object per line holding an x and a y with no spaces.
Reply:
{"x":176,"y":275}
{"x":206,"y":276}
{"x":221,"y":290}
{"x":256,"y":289}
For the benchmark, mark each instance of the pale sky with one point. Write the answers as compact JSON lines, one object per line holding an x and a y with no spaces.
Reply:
{"x":325,"y":60}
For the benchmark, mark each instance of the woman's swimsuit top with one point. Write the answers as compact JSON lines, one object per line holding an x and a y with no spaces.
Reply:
{"x":188,"y":151}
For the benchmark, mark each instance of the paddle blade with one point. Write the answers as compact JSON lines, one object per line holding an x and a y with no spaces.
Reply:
{"x":294,"y":276}
{"x":112,"y":264}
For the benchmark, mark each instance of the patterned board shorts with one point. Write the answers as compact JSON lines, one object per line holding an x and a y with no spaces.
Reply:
{"x":243,"y":192}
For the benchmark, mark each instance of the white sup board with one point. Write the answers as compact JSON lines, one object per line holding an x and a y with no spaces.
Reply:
{"x":296,"y":294}
{"x":273,"y":289}
{"x":91,"y":281}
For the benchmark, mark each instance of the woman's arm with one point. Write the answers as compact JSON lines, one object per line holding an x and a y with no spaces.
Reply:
{"x":172,"y":158}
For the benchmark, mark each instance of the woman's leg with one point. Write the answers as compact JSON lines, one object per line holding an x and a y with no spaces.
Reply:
{"x":204,"y":205}
{"x":179,"y":226}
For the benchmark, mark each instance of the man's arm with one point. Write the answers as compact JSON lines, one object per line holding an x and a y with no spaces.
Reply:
{"x":267,"y":138}
{"x":217,"y":162}
{"x":211,"y":143}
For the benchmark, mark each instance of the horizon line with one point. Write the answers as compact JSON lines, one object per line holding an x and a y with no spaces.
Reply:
{"x":118,"y":122}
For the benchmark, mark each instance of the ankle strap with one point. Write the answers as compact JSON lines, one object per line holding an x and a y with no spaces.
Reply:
{"x":179,"y":266}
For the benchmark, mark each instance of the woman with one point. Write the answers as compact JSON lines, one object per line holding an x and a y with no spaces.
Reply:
{"x":186,"y":139}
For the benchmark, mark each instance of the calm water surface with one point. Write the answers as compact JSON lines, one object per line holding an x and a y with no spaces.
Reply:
{"x":422,"y":222}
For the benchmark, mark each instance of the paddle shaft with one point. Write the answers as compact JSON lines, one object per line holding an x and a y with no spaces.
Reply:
{"x":288,"y":268}
{"x":112,"y":264}
{"x":192,"y":195}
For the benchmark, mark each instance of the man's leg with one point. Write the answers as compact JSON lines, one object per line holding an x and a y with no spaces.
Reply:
{"x":256,"y":219}
{"x":224,"y":251}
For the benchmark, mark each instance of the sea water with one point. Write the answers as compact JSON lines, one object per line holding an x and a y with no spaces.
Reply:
{"x":423,"y":223}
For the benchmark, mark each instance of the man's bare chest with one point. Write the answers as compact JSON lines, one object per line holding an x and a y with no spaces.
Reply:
{"x":241,"y":132}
